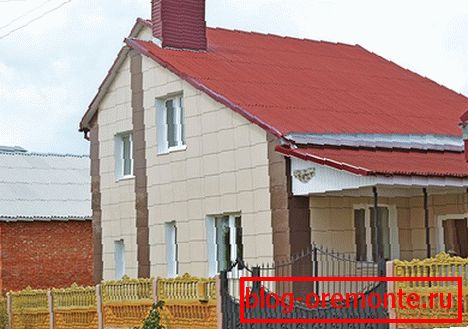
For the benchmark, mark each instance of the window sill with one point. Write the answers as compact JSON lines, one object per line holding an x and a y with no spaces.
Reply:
{"x":174,"y":149}
{"x":124,"y":178}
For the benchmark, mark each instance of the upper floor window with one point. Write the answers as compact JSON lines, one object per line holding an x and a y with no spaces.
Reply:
{"x":170,"y":118}
{"x":124,"y":155}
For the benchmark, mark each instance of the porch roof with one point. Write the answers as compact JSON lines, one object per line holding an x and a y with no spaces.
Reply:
{"x":386,"y":162}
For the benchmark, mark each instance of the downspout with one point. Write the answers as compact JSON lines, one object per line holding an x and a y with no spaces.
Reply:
{"x":378,"y":233}
{"x":426,"y":224}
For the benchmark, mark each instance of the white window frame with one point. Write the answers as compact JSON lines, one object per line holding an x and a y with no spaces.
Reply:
{"x":211,"y":240}
{"x":440,"y":228}
{"x":119,"y":153}
{"x":161,"y":122}
{"x":119,"y":258}
{"x":392,"y":221}
{"x":172,"y":259}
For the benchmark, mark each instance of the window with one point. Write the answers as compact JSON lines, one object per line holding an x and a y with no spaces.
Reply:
{"x":119,"y":254}
{"x":225,"y":242}
{"x":366,"y":234}
{"x":124,"y":155}
{"x":172,"y":250}
{"x":455,"y":232}
{"x":171,"y":131}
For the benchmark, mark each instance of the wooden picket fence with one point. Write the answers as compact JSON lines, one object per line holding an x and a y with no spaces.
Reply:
{"x":190,"y":303}
{"x":441,"y":265}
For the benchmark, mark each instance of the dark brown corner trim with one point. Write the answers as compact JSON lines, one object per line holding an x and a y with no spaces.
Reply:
{"x":96,"y":202}
{"x":290,"y":215}
{"x":139,"y":160}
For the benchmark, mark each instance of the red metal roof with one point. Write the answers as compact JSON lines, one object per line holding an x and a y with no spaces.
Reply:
{"x":292,"y":85}
{"x":385,"y":161}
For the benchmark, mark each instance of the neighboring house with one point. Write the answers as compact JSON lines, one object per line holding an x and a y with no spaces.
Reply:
{"x":211,"y":144}
{"x":45,"y":220}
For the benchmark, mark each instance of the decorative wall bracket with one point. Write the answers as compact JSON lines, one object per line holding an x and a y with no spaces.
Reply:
{"x":304,"y":175}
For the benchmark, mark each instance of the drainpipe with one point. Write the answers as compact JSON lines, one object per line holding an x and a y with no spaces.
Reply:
{"x":464,"y":127}
{"x":426,"y":224}
{"x":378,"y":232}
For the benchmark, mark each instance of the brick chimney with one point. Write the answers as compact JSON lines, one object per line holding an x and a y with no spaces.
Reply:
{"x":180,"y":23}
{"x":464,"y":126}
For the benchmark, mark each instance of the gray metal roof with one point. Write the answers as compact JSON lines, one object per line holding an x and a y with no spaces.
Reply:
{"x":35,"y":186}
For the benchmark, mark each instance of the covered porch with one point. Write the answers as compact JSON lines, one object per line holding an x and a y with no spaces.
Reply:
{"x":382,"y":204}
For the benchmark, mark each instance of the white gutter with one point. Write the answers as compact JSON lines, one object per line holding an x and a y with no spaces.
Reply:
{"x":401,"y":141}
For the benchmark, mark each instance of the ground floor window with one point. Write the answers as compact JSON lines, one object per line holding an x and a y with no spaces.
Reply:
{"x":455,"y":232}
{"x":172,"y":251}
{"x":119,"y":254}
{"x":224,"y":242}
{"x":366,"y":233}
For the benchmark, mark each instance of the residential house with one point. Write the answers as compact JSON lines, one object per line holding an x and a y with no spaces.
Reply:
{"x":45,"y":220}
{"x":209,"y":145}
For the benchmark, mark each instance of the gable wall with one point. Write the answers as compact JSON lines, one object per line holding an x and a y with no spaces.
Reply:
{"x":223,"y":170}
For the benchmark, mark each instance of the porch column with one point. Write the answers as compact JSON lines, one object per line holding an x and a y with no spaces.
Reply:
{"x":426,"y":224}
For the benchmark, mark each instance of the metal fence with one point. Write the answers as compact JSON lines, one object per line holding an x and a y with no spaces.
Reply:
{"x":315,"y":262}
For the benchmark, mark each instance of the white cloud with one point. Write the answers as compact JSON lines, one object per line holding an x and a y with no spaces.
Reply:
{"x":50,"y":70}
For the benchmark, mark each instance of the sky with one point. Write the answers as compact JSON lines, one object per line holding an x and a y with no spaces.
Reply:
{"x":50,"y":70}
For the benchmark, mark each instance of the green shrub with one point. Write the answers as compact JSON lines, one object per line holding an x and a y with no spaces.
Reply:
{"x":153,"y":321}
{"x":3,"y":314}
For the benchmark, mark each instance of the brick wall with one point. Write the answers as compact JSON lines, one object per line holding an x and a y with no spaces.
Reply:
{"x":45,"y":254}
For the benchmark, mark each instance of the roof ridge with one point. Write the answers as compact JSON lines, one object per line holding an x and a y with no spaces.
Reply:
{"x":279,"y":36}
{"x":148,"y":23}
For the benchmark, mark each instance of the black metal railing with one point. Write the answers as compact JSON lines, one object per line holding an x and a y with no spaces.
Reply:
{"x":315,"y":262}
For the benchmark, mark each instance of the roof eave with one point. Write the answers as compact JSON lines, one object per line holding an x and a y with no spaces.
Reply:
{"x":291,"y":152}
{"x":102,"y":90}
{"x":324,"y":161}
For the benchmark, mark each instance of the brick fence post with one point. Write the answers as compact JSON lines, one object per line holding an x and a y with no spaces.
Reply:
{"x":50,"y":301}
{"x":99,"y":306}
{"x":219,"y":310}
{"x":391,"y":289}
{"x":10,"y":311}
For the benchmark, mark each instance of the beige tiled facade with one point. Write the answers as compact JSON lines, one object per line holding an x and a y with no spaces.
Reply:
{"x":223,"y":170}
{"x":332,"y":221}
